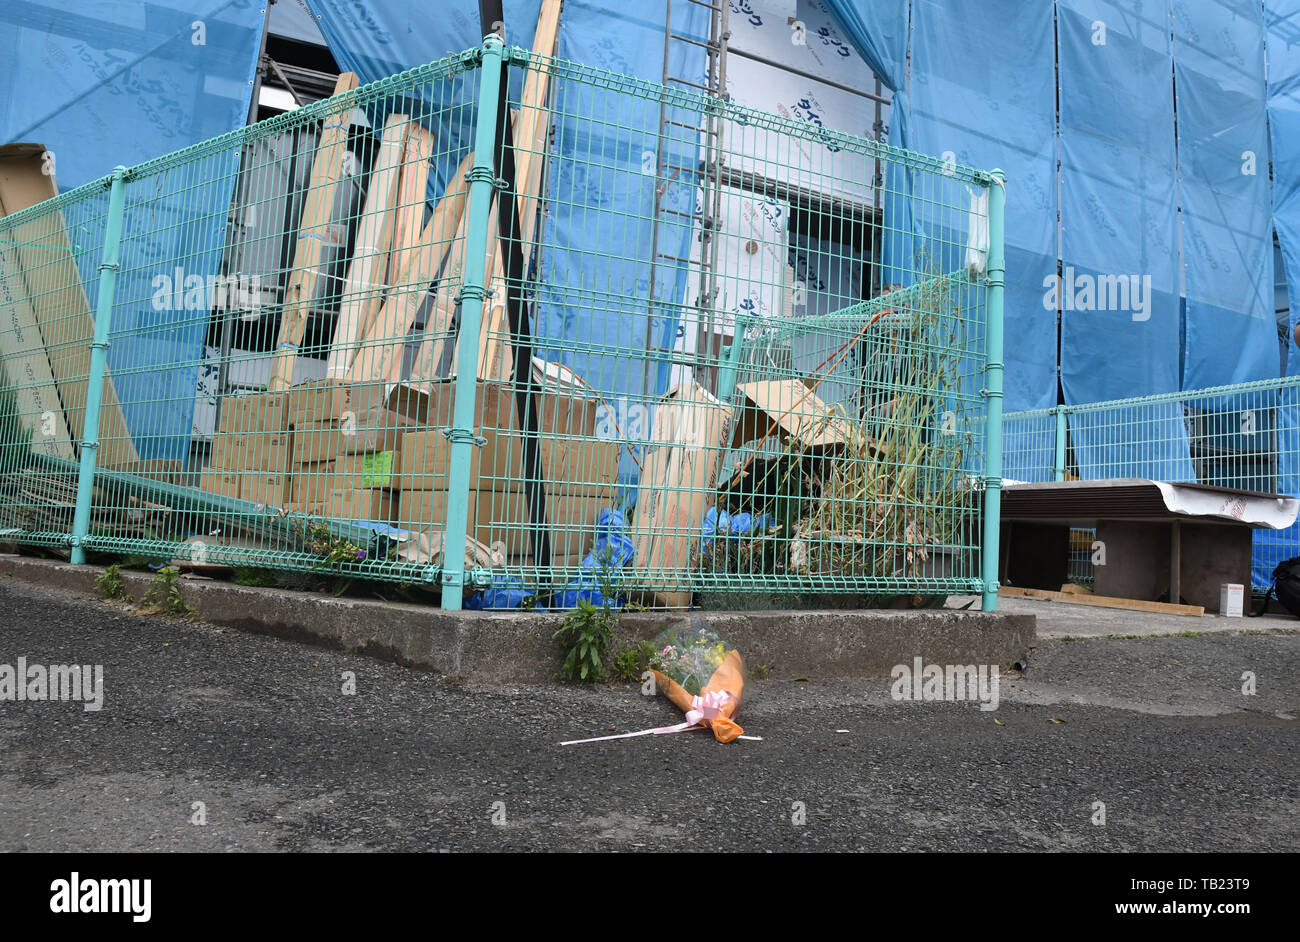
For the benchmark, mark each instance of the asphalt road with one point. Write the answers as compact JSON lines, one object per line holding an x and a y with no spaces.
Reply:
{"x":260,"y":733}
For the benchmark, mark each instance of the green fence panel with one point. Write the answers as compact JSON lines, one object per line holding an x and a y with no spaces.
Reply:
{"x":516,"y":393}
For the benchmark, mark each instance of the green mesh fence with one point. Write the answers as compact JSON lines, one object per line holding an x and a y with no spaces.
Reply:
{"x":1241,"y":436}
{"x":631,"y":343}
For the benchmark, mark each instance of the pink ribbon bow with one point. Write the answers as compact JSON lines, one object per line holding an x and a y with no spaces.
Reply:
{"x":707,"y":707}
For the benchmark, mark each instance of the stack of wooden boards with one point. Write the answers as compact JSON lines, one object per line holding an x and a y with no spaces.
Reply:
{"x":398,"y":255}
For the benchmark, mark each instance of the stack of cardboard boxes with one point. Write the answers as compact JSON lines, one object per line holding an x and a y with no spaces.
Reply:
{"x":307,"y":450}
{"x":319,"y":449}
{"x":577,"y":471}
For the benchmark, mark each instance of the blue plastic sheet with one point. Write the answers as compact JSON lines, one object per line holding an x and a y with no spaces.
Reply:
{"x":1224,"y":192}
{"x":731,"y":527}
{"x":596,"y":280}
{"x":981,"y":95}
{"x":118,"y":83}
{"x":878,"y":31}
{"x":1282,"y":29}
{"x":1119,"y":291}
{"x":611,"y":552}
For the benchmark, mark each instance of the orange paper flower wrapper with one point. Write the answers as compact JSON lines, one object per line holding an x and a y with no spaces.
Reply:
{"x":728,"y":679}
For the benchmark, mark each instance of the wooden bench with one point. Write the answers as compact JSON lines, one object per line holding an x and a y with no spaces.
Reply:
{"x":1155,"y":541}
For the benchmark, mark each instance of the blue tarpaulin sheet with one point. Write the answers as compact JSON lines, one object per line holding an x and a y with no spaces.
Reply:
{"x":1282,"y":33}
{"x":108,"y":83}
{"x":1119,"y":290}
{"x":981,"y":94}
{"x":1223,"y":189}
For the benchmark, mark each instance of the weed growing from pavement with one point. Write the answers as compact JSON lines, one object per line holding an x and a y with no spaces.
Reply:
{"x":111,"y":584}
{"x":585,"y":636}
{"x":164,"y":595}
{"x":631,"y":663}
{"x":588,"y":630}
{"x":255,"y":576}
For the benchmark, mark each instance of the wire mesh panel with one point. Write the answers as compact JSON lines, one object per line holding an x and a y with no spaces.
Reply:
{"x":739,"y":378}
{"x":1241,"y":437}
{"x":648,"y":345}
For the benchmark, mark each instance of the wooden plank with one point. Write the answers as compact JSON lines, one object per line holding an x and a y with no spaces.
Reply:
{"x":443,"y":310}
{"x":1101,"y":601}
{"x":531,"y":126}
{"x":363,"y":288}
{"x":412,"y":197}
{"x":326,"y":171}
{"x":380,"y":358}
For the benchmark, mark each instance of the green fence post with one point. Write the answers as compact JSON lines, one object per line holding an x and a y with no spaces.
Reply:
{"x":993,"y":431}
{"x":1059,"y":467}
{"x":108,"y":266}
{"x":472,"y":294}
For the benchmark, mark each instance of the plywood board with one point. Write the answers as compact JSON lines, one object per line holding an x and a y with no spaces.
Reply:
{"x":26,"y":367}
{"x":380,"y":356}
{"x":364,"y":286}
{"x":326,"y":171}
{"x":678,"y":482}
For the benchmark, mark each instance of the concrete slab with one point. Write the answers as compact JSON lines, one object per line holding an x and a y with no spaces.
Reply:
{"x":1056,"y":620}
{"x":505,"y":647}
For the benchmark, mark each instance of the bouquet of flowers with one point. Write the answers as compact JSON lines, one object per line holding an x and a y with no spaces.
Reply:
{"x":698,"y":671}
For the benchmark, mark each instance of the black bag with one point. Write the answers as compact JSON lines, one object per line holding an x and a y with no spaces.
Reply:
{"x":1285,"y":586}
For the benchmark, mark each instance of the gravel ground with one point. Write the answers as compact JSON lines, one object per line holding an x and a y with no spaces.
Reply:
{"x":259,"y":732}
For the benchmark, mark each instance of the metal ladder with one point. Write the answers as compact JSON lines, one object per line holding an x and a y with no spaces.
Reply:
{"x":710,"y":175}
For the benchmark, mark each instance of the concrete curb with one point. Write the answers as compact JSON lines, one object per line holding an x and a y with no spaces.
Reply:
{"x":512,"y":647}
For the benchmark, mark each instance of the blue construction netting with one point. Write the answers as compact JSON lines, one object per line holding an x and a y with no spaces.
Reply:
{"x":109,"y":83}
{"x":1227,"y":229}
{"x":1282,"y":34}
{"x":1119,"y":286}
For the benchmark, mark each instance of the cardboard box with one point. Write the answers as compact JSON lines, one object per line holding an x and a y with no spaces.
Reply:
{"x":1231,"y":599}
{"x":373,"y":430}
{"x":227,"y":452}
{"x":265,"y":451}
{"x":498,"y":464}
{"x":313,"y":483}
{"x":273,"y":490}
{"x":317,"y":441}
{"x":787,"y":409}
{"x":254,"y":413}
{"x":357,"y":503}
{"x":220,"y":482}
{"x":314,"y":403}
{"x":565,"y":405}
{"x":502,"y":516}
